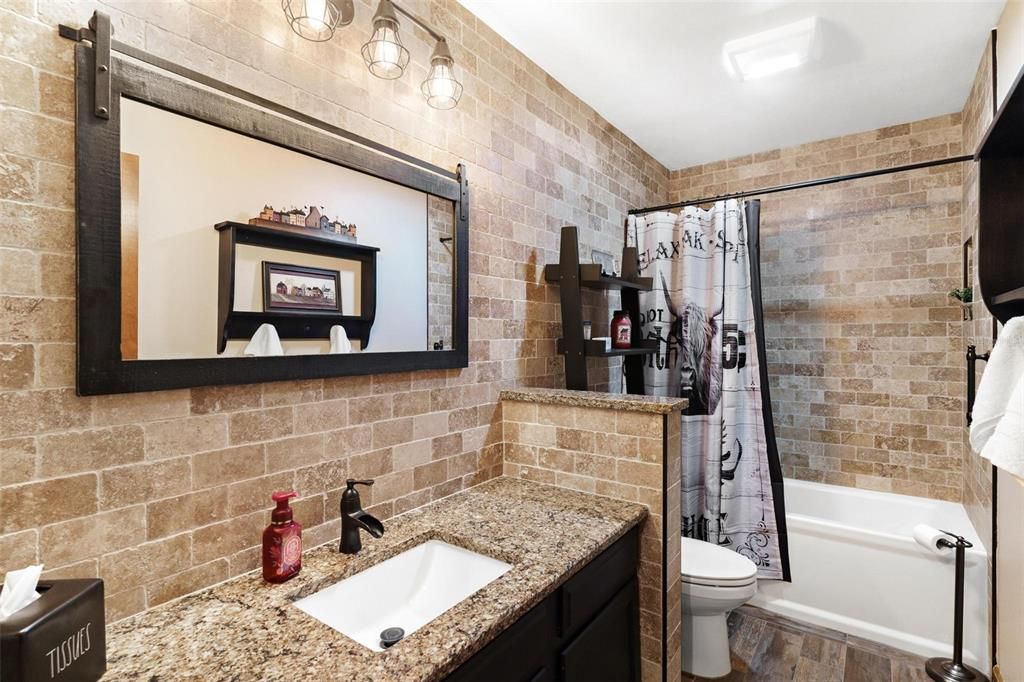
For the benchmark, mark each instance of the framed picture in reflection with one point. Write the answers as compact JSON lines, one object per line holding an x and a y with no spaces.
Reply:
{"x":298,"y":289}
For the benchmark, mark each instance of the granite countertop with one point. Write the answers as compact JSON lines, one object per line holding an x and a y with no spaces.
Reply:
{"x":608,"y":401}
{"x":246,"y":629}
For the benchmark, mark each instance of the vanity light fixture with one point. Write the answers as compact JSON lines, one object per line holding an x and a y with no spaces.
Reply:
{"x":317,"y":20}
{"x":440,"y":87}
{"x":387,"y":58}
{"x":384,"y":53}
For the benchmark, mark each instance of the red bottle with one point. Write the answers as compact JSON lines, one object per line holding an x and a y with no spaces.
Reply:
{"x":282,"y":542}
{"x":622,"y":330}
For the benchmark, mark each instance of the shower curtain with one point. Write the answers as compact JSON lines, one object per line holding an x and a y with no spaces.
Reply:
{"x":705,"y":311}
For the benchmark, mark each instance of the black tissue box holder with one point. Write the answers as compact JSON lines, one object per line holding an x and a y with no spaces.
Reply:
{"x":60,"y":636}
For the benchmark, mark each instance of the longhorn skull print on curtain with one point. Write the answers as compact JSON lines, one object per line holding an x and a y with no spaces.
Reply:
{"x":701,"y":313}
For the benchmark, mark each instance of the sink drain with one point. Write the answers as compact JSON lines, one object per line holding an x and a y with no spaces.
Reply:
{"x":391,"y":636}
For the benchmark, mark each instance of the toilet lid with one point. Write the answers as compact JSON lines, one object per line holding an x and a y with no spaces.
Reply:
{"x":708,"y":564}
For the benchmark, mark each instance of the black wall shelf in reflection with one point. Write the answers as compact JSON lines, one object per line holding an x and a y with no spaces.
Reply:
{"x":236,"y":324}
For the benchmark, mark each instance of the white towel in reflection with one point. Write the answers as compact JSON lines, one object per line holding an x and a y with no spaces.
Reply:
{"x":1005,"y":449}
{"x":264,"y":342}
{"x":339,"y":340}
{"x":1003,"y":372}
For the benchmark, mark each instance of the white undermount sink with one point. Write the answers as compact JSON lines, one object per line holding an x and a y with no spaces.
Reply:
{"x":406,"y":591}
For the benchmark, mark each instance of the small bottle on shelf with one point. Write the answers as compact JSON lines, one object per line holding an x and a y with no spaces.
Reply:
{"x":622,"y":330}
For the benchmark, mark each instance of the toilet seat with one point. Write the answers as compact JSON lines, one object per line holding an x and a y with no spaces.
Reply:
{"x":710,"y":565}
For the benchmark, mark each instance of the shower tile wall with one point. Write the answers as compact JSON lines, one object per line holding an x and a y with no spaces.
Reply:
{"x":440,"y":272}
{"x":864,"y":346}
{"x":977,"y":116}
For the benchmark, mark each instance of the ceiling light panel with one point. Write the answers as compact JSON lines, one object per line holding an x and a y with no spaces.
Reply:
{"x":770,"y":52}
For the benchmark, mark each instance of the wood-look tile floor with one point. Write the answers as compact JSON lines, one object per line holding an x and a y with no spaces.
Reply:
{"x":766,"y":647}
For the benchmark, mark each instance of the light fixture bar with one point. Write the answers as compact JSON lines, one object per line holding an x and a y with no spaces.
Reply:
{"x":422,"y":23}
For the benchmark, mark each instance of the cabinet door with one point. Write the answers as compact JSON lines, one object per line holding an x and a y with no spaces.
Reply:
{"x":522,"y":653}
{"x":588,"y":591}
{"x":545,"y":674}
{"x":608,"y":648}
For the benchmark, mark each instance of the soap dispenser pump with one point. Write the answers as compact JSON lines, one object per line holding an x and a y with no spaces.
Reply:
{"x":282,"y":542}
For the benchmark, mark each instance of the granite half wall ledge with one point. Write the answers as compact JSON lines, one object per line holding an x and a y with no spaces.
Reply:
{"x":608,"y":401}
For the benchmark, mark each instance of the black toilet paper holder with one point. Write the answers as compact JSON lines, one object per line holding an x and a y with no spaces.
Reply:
{"x":954,"y":669}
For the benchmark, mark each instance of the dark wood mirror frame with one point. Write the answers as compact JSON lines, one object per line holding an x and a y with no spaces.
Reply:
{"x":100,"y":367}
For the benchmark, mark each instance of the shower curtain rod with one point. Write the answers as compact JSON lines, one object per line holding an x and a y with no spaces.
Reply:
{"x":803,"y":185}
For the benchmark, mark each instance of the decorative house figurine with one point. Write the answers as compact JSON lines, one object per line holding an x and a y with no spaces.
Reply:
{"x":314,"y":218}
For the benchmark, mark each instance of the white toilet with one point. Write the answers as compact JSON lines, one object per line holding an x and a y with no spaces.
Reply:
{"x":715,"y":581}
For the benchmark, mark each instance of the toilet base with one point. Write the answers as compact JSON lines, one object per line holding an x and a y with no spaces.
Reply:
{"x":706,"y":645}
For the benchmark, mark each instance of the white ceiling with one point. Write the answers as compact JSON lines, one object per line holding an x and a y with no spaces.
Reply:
{"x":655,"y":70}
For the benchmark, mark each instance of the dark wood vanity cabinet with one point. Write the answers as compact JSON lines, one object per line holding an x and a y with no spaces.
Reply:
{"x":588,"y":630}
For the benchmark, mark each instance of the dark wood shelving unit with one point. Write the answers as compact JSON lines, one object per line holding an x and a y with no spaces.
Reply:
{"x":591,"y":278}
{"x":572,"y":276}
{"x":1000,"y":241}
{"x":596,"y":349}
{"x":238,"y":324}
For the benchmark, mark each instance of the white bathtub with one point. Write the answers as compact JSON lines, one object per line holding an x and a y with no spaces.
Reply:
{"x":857,"y":569}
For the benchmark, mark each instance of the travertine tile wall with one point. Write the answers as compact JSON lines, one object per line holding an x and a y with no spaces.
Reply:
{"x":165,"y":493}
{"x":619,"y":454}
{"x":440,"y":272}
{"x":976,"y":118}
{"x":864,"y":346}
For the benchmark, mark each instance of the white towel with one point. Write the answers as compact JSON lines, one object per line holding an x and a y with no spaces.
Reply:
{"x":264,"y":342}
{"x":1005,"y":449}
{"x":339,"y":340}
{"x":1003,"y":371}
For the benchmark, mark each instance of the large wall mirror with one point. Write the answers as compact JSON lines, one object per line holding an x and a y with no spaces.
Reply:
{"x":226,"y":239}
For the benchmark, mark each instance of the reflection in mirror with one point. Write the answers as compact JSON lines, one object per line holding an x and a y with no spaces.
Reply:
{"x":222,"y":233}
{"x":440,"y":272}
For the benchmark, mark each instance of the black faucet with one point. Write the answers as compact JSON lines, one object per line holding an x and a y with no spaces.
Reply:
{"x":353,"y":518}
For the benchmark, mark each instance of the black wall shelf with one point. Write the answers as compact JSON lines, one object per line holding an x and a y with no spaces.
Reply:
{"x":237,"y":324}
{"x":591,"y":278}
{"x":1000,"y":241}
{"x":571,"y":276}
{"x":597,"y":349}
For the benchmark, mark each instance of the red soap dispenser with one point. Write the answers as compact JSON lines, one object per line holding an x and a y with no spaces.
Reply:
{"x":282,"y":542}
